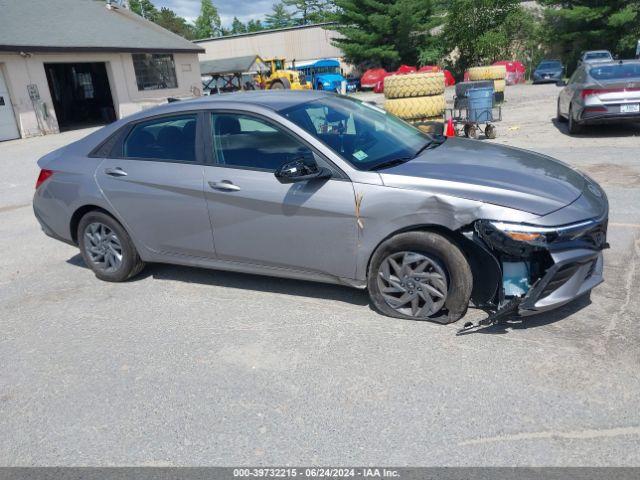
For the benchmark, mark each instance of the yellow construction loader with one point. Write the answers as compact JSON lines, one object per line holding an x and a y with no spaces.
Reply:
{"x":280,"y":78}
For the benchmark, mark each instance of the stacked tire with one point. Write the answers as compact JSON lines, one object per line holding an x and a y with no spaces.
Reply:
{"x":495,"y":73}
{"x":417,"y":98}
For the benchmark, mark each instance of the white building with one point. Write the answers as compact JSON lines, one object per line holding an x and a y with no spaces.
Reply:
{"x":302,"y":43}
{"x":67,"y":64}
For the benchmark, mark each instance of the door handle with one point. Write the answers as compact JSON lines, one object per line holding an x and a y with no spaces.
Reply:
{"x":225,"y":185}
{"x":115,"y":172}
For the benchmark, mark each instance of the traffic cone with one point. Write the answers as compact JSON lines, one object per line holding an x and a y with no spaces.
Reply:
{"x":450,"y":132}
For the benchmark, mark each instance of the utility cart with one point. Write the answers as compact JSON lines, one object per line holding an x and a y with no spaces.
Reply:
{"x":476,"y":113}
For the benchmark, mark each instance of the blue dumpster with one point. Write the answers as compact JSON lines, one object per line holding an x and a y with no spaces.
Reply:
{"x":480,"y":104}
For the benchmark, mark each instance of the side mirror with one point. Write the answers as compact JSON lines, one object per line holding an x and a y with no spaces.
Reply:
{"x":561,"y":83}
{"x":301,"y":170}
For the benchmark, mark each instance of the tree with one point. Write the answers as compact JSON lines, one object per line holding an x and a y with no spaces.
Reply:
{"x":279,"y":17}
{"x":254,"y":26}
{"x":486,"y":30}
{"x":144,"y":8}
{"x":208,"y":22}
{"x":382,"y":32}
{"x":310,"y":11}
{"x":237,"y":26}
{"x":587,"y":24}
{"x":167,"y":18}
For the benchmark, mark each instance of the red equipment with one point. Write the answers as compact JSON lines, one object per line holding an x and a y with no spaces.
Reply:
{"x":371,"y":77}
{"x":515,"y":71}
{"x":402,"y":69}
{"x":448,"y":77}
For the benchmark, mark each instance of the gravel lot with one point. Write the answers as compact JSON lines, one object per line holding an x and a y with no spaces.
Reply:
{"x":192,"y":367}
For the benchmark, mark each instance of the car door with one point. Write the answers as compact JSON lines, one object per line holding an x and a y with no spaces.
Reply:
{"x":308,"y":226}
{"x":153,"y":179}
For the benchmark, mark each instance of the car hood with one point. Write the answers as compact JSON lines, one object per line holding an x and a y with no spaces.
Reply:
{"x":486,"y":172}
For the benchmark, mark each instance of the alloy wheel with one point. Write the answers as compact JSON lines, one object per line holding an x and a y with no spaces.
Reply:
{"x":413,"y":284}
{"x":103,"y":247}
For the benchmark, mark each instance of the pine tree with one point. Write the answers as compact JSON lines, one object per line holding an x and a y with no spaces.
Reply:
{"x":144,"y":8}
{"x":382,"y":32}
{"x":254,"y":26}
{"x":587,"y":24}
{"x":237,"y":26}
{"x":168,"y":19}
{"x":208,"y":23}
{"x":310,"y":11}
{"x":279,"y":17}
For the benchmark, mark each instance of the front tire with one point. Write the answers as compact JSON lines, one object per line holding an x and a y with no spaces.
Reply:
{"x":420,"y":276}
{"x":559,"y":116}
{"x":107,"y":248}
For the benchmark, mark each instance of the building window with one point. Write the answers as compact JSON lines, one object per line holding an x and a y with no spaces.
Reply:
{"x":154,"y":71}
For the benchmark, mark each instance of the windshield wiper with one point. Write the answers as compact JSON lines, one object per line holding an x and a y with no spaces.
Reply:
{"x":435,"y":142}
{"x":391,"y":163}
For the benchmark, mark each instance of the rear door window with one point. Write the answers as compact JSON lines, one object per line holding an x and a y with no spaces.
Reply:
{"x":167,"y":138}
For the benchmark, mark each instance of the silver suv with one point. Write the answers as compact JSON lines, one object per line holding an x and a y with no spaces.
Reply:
{"x":315,"y":186}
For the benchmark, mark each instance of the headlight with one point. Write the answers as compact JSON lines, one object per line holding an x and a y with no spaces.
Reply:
{"x":523,"y":233}
{"x":506,"y":234}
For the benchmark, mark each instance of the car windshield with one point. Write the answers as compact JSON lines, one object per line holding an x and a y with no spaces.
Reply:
{"x":619,"y":71}
{"x":597,"y":55}
{"x":549,"y":65}
{"x":363,"y":134}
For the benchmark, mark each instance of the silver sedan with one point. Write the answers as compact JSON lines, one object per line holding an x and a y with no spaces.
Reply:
{"x":315,"y":186}
{"x":601,"y":93}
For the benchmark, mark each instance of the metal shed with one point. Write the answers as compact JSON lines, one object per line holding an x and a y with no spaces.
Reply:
{"x":230,"y":71}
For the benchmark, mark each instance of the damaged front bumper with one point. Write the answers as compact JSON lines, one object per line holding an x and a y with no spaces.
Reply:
{"x":562,"y":263}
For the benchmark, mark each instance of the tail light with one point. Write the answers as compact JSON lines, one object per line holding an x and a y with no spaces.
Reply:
{"x":599,"y":91}
{"x":596,"y":109}
{"x":43,"y":177}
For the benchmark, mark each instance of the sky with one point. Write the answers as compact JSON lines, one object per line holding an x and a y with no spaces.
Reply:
{"x":243,"y":9}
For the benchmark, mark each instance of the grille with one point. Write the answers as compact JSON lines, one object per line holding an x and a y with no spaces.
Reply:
{"x":561,"y":277}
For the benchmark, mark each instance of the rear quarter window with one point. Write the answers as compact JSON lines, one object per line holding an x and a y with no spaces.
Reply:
{"x":167,"y":138}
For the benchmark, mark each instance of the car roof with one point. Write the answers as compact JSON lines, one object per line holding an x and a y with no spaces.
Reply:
{"x":597,"y":51}
{"x":272,"y":99}
{"x":613,"y":62}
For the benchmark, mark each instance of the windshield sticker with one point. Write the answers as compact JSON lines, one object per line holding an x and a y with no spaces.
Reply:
{"x":360,"y":155}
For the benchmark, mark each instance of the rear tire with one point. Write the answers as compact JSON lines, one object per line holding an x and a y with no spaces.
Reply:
{"x":441,"y":257}
{"x":107,"y":248}
{"x":574,"y":127}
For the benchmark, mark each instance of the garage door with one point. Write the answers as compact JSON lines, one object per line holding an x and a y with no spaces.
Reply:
{"x":8,"y":128}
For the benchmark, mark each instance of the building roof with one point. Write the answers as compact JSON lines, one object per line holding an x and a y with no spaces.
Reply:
{"x":264,"y":32}
{"x":82,"y":25}
{"x":226,"y":66}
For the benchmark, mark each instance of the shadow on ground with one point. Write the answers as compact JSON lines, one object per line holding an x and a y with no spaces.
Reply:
{"x":247,"y":281}
{"x":539,"y":320}
{"x":620,"y":130}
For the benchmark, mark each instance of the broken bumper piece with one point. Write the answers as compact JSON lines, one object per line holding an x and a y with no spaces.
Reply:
{"x":574,"y":273}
